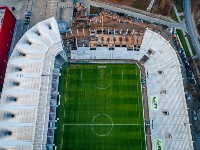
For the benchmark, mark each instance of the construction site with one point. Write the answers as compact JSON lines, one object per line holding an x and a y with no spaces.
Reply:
{"x":106,"y":29}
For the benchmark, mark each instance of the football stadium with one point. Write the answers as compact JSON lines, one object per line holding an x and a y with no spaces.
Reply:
{"x":96,"y":99}
{"x":101,"y":106}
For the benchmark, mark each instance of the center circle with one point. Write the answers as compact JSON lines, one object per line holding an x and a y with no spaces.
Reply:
{"x":102,"y":124}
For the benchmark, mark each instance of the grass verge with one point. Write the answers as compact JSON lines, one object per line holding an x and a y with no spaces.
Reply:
{"x":173,"y":15}
{"x":183,"y":42}
{"x":179,"y":5}
{"x":191,"y":45}
{"x":181,"y":17}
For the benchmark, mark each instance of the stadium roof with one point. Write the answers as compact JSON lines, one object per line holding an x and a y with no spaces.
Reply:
{"x":24,"y":104}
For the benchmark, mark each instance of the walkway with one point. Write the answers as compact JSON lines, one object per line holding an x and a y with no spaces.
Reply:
{"x":153,"y":18}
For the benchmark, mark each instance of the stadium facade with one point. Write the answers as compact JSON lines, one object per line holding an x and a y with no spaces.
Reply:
{"x":29,"y":96}
{"x":7,"y":25}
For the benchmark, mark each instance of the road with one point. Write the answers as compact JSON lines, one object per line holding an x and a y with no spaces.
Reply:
{"x":191,"y":26}
{"x":184,"y":31}
{"x":140,"y":15}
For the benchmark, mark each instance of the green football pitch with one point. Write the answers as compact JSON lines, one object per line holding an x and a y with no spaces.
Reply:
{"x":100,"y":108}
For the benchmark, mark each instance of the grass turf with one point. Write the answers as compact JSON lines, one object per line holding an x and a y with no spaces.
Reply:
{"x":100,"y":108}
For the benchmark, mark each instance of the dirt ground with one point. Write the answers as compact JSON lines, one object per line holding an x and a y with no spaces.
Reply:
{"x":80,"y":32}
{"x":140,"y":4}
{"x":196,"y":11}
{"x":161,"y":7}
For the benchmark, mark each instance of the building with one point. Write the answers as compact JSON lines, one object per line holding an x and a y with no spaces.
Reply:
{"x":111,"y":38}
{"x":7,"y":25}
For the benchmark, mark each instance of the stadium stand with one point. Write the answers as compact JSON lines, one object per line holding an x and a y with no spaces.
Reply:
{"x":26,"y":97}
{"x":169,"y":122}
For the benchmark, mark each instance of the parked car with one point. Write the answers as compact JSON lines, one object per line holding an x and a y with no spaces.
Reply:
{"x":25,"y":22}
{"x":27,"y":17}
{"x":28,"y":13}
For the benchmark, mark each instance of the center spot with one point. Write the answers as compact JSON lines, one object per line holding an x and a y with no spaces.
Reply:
{"x":102,"y":124}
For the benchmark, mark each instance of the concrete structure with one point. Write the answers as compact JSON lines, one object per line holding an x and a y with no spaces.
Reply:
{"x":169,"y":121}
{"x":26,"y":100}
{"x":7,"y":25}
{"x":112,"y":38}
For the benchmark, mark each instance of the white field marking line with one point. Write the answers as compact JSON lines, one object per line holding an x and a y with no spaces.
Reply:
{"x":63,"y":129}
{"x":64,"y":94}
{"x":111,"y":84}
{"x":67,"y":70}
{"x":102,"y":124}
{"x":136,"y":79}
{"x":80,"y":68}
{"x":138,"y":137}
{"x":122,"y":74}
{"x":64,"y":107}
{"x":81,"y":75}
{"x":81,"y":81}
{"x":103,"y":88}
{"x":141,"y":134}
{"x":139,"y":107}
{"x":101,"y":73}
{"x":138,"y":95}
{"x":121,"y":84}
{"x":94,"y":124}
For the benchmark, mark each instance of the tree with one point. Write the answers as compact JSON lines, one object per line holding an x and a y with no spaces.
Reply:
{"x":165,"y":6}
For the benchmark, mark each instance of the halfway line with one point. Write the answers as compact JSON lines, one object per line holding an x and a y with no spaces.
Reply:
{"x":102,"y":124}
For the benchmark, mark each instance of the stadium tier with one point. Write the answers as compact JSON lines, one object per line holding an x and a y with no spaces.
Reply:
{"x":26,"y":95}
{"x":29,"y":96}
{"x":169,"y":122}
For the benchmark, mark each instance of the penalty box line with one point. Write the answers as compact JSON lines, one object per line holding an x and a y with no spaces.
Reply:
{"x":101,"y":124}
